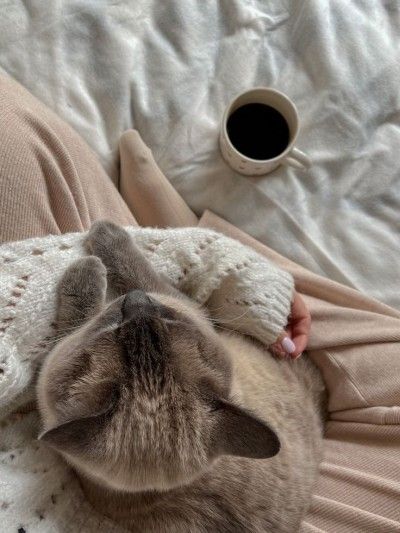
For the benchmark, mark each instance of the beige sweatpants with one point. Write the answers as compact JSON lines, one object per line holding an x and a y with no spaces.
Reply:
{"x":51,"y":182}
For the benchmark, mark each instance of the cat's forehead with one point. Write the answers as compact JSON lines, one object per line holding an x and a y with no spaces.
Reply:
{"x":156,"y":348}
{"x":183,"y":307}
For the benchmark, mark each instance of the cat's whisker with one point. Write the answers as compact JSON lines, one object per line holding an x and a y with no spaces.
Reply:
{"x":234,"y":319}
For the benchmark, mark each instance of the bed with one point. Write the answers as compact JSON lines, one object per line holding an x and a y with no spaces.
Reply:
{"x":169,"y":68}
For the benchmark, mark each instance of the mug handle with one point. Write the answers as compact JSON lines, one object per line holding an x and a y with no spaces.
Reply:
{"x":297,"y":159}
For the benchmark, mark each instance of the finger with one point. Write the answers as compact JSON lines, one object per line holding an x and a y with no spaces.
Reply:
{"x":300,"y":343}
{"x":279,"y":353}
{"x":277,"y":350}
{"x":299,"y":309}
{"x":284,"y":343}
{"x":287,"y":332}
{"x":301,"y":325}
{"x":294,"y":340}
{"x":280,"y":338}
{"x":300,"y":335}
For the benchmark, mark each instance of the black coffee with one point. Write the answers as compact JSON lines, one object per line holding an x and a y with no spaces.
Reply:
{"x":258,"y":131}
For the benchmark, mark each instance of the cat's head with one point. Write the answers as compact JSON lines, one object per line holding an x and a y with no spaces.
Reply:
{"x":138,"y":397}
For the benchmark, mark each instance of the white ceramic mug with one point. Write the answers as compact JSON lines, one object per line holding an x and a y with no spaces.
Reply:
{"x":254,"y":167}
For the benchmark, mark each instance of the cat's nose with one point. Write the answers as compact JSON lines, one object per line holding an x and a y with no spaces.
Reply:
{"x":135,"y":302}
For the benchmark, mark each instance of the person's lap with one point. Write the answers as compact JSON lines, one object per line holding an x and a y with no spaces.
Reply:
{"x":355,"y":341}
{"x":51,"y":182}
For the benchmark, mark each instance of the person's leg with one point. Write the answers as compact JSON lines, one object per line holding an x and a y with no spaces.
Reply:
{"x":146,"y":190}
{"x":50,"y":180}
{"x":358,"y":487}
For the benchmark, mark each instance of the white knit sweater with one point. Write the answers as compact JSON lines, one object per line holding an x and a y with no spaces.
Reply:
{"x":38,"y":492}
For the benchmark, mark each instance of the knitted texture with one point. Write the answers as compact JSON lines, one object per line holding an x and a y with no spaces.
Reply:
{"x":242,"y":290}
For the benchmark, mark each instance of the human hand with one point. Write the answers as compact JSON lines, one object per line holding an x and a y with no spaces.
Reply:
{"x":293,"y":341}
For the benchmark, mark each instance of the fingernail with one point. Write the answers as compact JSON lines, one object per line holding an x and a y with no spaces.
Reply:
{"x":288,"y":345}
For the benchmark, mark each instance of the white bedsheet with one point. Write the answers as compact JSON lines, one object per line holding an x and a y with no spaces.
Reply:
{"x":169,"y":67}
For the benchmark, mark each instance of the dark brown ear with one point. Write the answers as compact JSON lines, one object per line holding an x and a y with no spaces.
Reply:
{"x":79,"y":435}
{"x":75,"y":436}
{"x":240,"y":433}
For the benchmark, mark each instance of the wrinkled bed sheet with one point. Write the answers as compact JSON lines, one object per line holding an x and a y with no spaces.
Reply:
{"x":169,"y":68}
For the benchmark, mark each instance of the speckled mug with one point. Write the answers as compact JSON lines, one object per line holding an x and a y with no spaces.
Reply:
{"x":291,"y":156}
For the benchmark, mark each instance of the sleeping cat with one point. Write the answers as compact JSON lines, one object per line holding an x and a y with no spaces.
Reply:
{"x":172,"y":425}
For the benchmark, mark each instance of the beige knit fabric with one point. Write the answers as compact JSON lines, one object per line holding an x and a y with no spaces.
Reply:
{"x":354,"y":339}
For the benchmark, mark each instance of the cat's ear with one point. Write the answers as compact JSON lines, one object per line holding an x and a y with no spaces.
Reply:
{"x":77,"y":432}
{"x":75,"y":437}
{"x":238,"y":432}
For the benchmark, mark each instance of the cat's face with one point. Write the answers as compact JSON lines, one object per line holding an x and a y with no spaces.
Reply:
{"x":138,"y":397}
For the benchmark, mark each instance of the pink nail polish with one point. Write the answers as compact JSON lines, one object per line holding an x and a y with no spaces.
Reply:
{"x":288,"y":345}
